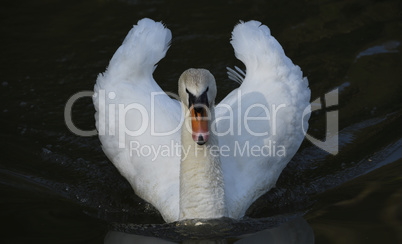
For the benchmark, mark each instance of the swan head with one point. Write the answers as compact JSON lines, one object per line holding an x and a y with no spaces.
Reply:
{"x":197,"y":91}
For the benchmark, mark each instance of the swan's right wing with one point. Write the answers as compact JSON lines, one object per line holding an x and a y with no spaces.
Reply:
{"x":260,"y":123}
{"x":138,"y":123}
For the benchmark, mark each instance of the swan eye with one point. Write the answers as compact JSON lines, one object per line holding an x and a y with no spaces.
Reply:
{"x":191,"y":98}
{"x":205,"y":92}
{"x":202,"y":99}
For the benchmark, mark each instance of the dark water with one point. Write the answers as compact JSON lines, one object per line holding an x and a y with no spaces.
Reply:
{"x":56,"y":187}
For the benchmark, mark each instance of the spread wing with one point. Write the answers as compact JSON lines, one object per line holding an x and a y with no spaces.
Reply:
{"x":138,"y":123}
{"x":260,"y":123}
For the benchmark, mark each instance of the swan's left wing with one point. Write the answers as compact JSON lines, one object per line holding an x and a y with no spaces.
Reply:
{"x":259,"y":123}
{"x":138,"y":123}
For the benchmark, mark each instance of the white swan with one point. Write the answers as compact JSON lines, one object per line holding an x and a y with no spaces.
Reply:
{"x":191,"y":159}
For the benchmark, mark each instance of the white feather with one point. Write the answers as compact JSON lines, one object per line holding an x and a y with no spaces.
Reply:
{"x":271,"y":79}
{"x":129,"y":75}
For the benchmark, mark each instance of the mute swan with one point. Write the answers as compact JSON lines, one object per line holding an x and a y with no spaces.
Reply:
{"x":191,"y":159}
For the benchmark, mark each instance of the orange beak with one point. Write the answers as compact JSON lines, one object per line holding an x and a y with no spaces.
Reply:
{"x":199,"y":124}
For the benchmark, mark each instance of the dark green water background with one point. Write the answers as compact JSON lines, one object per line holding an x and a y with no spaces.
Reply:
{"x":56,"y":187}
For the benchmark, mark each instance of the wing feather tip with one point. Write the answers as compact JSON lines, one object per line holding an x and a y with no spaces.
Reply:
{"x":144,"y":46}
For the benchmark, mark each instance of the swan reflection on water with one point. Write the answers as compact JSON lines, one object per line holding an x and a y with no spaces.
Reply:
{"x":297,"y":231}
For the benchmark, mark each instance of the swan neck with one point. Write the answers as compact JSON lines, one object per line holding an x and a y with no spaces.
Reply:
{"x":201,"y":178}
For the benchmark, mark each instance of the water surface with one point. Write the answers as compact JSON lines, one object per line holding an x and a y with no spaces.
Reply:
{"x":58,"y":187}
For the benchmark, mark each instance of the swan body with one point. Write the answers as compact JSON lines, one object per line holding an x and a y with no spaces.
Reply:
{"x":207,"y":161}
